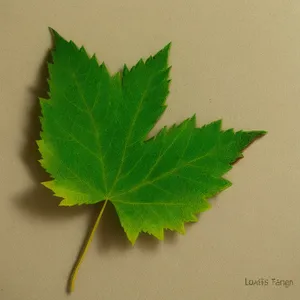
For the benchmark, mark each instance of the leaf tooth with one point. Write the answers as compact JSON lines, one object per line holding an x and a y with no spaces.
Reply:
{"x":67,"y":202}
{"x":138,"y":65}
{"x":132,"y":236}
{"x":183,"y":124}
{"x":164,"y":130}
{"x":193,"y":218}
{"x":158,"y":233}
{"x":125,"y":70}
{"x":180,"y":228}
{"x":83,"y":50}
{"x":49,"y":184}
{"x":192,"y":121}
{"x":148,"y":60}
{"x":42,"y":100}
{"x":168,"y":71}
{"x":74,"y":45}
{"x":94,"y":59}
{"x":104,"y":68}
{"x":39,"y":142}
{"x":217,"y":123}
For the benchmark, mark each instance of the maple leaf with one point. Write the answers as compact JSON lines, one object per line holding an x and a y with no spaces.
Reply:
{"x":94,"y":144}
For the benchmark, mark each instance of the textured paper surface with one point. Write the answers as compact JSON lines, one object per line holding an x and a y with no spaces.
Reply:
{"x":236,"y":60}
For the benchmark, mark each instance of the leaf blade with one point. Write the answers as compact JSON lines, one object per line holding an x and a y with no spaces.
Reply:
{"x":94,"y":143}
{"x":193,"y":172}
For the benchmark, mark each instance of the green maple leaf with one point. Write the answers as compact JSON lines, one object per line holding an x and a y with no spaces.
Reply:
{"x":94,"y":144}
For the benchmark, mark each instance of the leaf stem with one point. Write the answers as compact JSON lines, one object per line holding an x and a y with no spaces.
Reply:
{"x":84,"y":249}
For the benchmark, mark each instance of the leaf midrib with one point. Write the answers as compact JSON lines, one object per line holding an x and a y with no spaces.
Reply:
{"x":93,"y":123}
{"x":145,"y":93}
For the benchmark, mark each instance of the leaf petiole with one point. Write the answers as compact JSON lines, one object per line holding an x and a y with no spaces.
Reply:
{"x":84,"y":249}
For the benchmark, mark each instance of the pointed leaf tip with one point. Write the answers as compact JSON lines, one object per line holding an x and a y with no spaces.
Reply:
{"x":262,"y":132}
{"x":168,"y":46}
{"x":53,"y":31}
{"x":56,"y":36}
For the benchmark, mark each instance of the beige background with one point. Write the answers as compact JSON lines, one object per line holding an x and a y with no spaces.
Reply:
{"x":237,"y":60}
